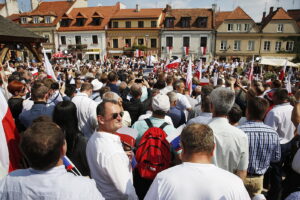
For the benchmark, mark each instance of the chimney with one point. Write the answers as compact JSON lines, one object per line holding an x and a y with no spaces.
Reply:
{"x":271,"y":10}
{"x":264,"y":15}
{"x":137,"y":8}
{"x":214,"y":7}
{"x":168,"y":8}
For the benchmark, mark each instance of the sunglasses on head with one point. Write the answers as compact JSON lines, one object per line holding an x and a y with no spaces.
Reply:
{"x":115,"y":115}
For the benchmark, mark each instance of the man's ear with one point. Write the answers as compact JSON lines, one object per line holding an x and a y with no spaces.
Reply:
{"x":100,"y":119}
{"x":63,"y":149}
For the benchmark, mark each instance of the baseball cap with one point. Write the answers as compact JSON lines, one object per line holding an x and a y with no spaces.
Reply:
{"x":161,"y":102}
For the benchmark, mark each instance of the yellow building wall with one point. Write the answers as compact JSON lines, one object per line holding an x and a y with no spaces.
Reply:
{"x":288,"y":27}
{"x":224,"y":26}
{"x":134,"y":23}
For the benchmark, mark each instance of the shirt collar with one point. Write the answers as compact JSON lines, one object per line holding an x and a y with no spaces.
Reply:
{"x":109,"y":136}
{"x":220,"y":120}
{"x":205,"y":114}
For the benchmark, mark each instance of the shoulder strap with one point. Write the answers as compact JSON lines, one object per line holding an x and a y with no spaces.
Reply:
{"x":149,"y":123}
{"x":96,"y":97}
{"x":163,"y":125}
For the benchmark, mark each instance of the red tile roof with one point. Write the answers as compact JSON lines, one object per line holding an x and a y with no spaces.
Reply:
{"x":278,"y":14}
{"x":105,"y":12}
{"x":220,"y":17}
{"x":281,"y":14}
{"x":143,"y":13}
{"x":238,"y":13}
{"x":51,"y":8}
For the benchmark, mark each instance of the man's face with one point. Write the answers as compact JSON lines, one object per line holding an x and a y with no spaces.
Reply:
{"x":112,"y":120}
{"x":181,"y":88}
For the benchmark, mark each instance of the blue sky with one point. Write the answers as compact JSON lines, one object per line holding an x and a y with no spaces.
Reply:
{"x":254,"y":8}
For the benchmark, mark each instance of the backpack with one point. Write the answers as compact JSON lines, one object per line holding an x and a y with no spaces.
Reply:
{"x":153,"y":152}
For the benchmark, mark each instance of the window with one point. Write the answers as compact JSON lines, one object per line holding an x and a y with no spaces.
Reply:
{"x":115,"y":24}
{"x":127,"y":42}
{"x":128,"y":24}
{"x":115,"y":43}
{"x":169,"y":23}
{"x":277,"y":46}
{"x":223,"y":45}
{"x":267,"y":45}
{"x":48,"y":38}
{"x":141,"y":41}
{"x":202,"y":22}
{"x":238,"y":27}
{"x":141,"y":24}
{"x":169,"y":41}
{"x":47,"y":19}
{"x":230,"y":27}
{"x":280,"y":28}
{"x":79,"y":22}
{"x":153,"y":24}
{"x":153,"y":43}
{"x":203,"y":41}
{"x":36,"y":20}
{"x":23,"y":20}
{"x":251,"y":45}
{"x":186,"y":41}
{"x":289,"y":46}
{"x":95,"y":39}
{"x":63,"y":40}
{"x":96,"y":21}
{"x":78,"y":39}
{"x":237,"y":45}
{"x":247,"y":27}
{"x":64,"y":22}
{"x":185,"y":22}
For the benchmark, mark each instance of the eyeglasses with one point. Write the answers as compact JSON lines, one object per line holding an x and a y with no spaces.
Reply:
{"x":115,"y":115}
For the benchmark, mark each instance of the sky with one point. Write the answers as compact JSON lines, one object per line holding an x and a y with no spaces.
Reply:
{"x":254,"y":8}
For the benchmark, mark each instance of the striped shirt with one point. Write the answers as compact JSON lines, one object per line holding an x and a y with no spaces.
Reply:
{"x":264,"y":146}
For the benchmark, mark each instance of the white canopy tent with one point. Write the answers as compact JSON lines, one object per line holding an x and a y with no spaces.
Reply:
{"x":277,"y":62}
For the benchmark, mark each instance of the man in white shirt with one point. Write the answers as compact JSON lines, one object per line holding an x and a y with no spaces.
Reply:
{"x":197,"y":178}
{"x":43,"y":144}
{"x":279,"y":118}
{"x":86,"y":110}
{"x":109,"y":164}
{"x":231,"y":153}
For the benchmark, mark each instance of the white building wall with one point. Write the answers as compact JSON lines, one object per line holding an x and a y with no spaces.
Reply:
{"x":194,"y":49}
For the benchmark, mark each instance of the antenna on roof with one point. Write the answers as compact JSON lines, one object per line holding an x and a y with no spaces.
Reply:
{"x":266,"y":5}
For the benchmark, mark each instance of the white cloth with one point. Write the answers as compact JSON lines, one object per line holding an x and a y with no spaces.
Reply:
{"x":182,"y":102}
{"x":195,"y":181}
{"x":126,"y":119}
{"x":86,"y":113}
{"x":110,"y":166}
{"x":166,"y":89}
{"x":279,"y":118}
{"x":56,"y":183}
{"x":231,"y":152}
{"x":149,"y":114}
{"x":203,"y":118}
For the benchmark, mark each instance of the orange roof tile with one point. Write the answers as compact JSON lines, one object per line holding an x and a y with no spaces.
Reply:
{"x":143,"y":13}
{"x":193,"y":13}
{"x":281,"y":14}
{"x":2,"y":5}
{"x":14,"y":17}
{"x":220,"y":17}
{"x":238,"y":13}
{"x":278,"y":14}
{"x":104,"y":11}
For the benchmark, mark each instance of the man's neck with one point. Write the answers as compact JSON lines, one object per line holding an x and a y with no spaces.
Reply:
{"x":102,"y":130}
{"x":222,"y":116}
{"x":203,"y":158}
{"x":158,"y":116}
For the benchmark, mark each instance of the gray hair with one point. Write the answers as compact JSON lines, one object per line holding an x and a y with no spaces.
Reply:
{"x":111,"y":96}
{"x":222,"y":100}
{"x":172,"y":96}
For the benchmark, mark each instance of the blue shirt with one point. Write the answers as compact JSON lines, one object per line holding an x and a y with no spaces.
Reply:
{"x":264,"y":146}
{"x":177,"y":116}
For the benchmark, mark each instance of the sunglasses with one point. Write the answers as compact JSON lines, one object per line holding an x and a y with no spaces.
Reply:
{"x":115,"y":115}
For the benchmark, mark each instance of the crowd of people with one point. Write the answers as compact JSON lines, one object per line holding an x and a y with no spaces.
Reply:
{"x":118,"y":129}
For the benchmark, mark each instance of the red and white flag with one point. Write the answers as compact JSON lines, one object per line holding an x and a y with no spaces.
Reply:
{"x":10,"y":155}
{"x":189,"y":76}
{"x":48,"y":66}
{"x":186,"y":51}
{"x":250,"y":77}
{"x":204,"y":81}
{"x":199,"y":70}
{"x":174,"y":64}
{"x":282,"y":72}
{"x":203,"y":50}
{"x":138,"y":53}
{"x":169,"y":50}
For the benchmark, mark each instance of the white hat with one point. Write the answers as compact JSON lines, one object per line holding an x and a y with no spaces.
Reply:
{"x":97,"y":85}
{"x":161,"y":102}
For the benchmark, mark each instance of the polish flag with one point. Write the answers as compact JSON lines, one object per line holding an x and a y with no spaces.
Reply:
{"x":174,"y":64}
{"x":199,"y":70}
{"x":203,"y":50}
{"x":48,"y":66}
{"x":186,"y":50}
{"x":137,"y":53}
{"x":10,"y":155}
{"x":282,"y":72}
{"x":189,"y":77}
{"x":204,"y":81}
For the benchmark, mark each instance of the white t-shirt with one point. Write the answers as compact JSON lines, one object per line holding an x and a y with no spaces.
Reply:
{"x":194,"y":181}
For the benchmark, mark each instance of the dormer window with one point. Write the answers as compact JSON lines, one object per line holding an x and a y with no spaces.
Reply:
{"x":47,"y":19}
{"x":79,"y":22}
{"x":280,"y":28}
{"x":202,"y":22}
{"x":23,"y":20}
{"x":36,"y":20}
{"x":169,"y":22}
{"x":185,"y":22}
{"x":96,"y":21}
